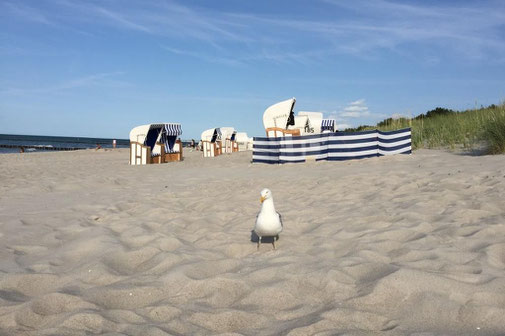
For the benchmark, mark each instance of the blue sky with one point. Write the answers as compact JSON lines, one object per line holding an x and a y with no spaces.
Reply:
{"x":99,"y":68}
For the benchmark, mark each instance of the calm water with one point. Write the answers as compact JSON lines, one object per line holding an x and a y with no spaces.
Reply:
{"x":38,"y":141}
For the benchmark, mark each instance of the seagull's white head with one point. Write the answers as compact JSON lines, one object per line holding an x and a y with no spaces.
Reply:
{"x":265,"y":194}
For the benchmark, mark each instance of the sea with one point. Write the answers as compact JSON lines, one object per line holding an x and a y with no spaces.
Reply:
{"x":12,"y":143}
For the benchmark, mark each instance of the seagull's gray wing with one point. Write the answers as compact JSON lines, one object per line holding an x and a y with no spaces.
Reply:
{"x":280,"y":219}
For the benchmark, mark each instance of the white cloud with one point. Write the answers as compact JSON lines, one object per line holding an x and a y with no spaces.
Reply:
{"x":470,"y":31}
{"x":121,"y":20}
{"x":331,"y":115}
{"x":203,"y":56}
{"x":355,"y":109}
{"x":342,"y":127}
{"x":26,"y":13}
{"x":398,"y":116}
{"x":99,"y":80}
{"x":357,"y":102}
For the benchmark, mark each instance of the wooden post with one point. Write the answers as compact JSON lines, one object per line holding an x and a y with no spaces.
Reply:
{"x":180,"y":149}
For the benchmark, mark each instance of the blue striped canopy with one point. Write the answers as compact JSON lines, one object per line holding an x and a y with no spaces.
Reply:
{"x":169,"y":136}
{"x":328,"y":124}
{"x":173,"y":129}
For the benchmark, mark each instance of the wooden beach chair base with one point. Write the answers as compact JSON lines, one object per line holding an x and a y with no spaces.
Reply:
{"x":280,"y":132}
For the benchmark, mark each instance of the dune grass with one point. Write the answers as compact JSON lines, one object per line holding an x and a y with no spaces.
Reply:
{"x":494,"y":131}
{"x":465,"y":129}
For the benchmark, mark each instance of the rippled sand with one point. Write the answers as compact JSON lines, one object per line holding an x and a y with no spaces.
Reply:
{"x":408,"y":244}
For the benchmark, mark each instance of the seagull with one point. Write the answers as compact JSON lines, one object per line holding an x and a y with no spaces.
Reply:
{"x":268,"y":221}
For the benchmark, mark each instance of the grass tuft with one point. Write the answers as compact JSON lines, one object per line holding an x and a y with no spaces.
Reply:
{"x":451,"y":129}
{"x":494,"y":131}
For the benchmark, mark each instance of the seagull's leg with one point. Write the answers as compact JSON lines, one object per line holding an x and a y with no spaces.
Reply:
{"x":274,"y":240}
{"x":259,"y":242}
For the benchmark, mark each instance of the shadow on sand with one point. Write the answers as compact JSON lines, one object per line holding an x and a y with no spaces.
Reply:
{"x":264,"y":240}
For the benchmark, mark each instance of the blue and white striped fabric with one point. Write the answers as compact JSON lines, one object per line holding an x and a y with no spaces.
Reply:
{"x":169,"y":136}
{"x":331,"y":146}
{"x":328,"y":125}
{"x":173,"y":129}
{"x":216,"y":136}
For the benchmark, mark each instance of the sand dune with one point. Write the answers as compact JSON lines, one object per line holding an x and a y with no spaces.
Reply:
{"x":408,"y":244}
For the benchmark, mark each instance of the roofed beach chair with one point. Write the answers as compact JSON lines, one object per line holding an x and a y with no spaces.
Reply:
{"x":155,"y":143}
{"x":211,"y":142}
{"x":279,"y":120}
{"x":242,"y":141}
{"x":328,"y":126}
{"x":278,"y":117}
{"x":228,"y":140}
{"x":234,"y":143}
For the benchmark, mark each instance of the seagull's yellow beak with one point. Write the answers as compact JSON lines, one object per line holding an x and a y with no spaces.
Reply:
{"x":262,"y":199}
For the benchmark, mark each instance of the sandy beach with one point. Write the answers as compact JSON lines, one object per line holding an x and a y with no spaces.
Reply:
{"x":400,"y":245}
